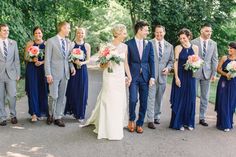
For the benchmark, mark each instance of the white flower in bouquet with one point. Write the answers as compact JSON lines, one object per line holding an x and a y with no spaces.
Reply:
{"x":231,"y":68}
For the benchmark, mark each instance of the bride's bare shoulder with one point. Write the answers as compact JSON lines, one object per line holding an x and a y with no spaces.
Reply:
{"x":123,"y":45}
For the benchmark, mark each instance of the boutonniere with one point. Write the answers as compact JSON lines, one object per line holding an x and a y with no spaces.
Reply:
{"x":145,"y":43}
{"x":10,"y":42}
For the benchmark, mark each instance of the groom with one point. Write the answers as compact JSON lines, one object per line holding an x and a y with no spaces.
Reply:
{"x":142,"y":68}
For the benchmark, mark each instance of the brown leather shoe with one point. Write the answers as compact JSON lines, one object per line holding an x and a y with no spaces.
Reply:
{"x":59,"y":123}
{"x":49,"y":120}
{"x":14,"y":120}
{"x":139,"y":130}
{"x":131,"y":126}
{"x":151,"y":125}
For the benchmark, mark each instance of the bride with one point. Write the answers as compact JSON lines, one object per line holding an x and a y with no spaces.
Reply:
{"x":111,"y":106}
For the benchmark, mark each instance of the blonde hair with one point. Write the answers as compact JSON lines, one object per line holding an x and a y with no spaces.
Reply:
{"x":79,"y":29}
{"x":61,"y":24}
{"x":117,"y":29}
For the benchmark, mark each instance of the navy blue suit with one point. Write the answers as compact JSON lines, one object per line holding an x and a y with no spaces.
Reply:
{"x":142,"y":69}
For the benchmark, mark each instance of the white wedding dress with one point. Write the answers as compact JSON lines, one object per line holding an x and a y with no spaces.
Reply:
{"x":110,"y":115}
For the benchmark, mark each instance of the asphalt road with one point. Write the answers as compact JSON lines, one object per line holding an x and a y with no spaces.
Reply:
{"x":40,"y":140}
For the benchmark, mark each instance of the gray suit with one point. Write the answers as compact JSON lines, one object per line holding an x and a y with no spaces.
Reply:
{"x":56,"y":64}
{"x":204,"y":74}
{"x":9,"y":72}
{"x":156,"y":92}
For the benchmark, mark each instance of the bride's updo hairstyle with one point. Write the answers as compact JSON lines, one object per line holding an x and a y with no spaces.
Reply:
{"x":118,"y":29}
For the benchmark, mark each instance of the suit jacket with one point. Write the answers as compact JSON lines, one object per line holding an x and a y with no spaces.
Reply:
{"x":11,"y":63}
{"x":56,"y":63}
{"x":145,"y":65}
{"x":210,"y":60}
{"x":167,"y":60}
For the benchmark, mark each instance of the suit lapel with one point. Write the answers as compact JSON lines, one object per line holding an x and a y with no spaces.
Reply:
{"x":59,"y":45}
{"x":144,"y":47}
{"x":136,"y":48}
{"x":10,"y":50}
{"x":1,"y":54}
{"x":209,"y":45}
{"x":200,"y":46}
{"x":166,"y":50}
{"x":155,"y":49}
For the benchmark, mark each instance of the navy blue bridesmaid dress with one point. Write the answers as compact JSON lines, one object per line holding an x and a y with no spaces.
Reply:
{"x":77,"y":90}
{"x":36,"y":87}
{"x":183,"y":99}
{"x":225,"y":100}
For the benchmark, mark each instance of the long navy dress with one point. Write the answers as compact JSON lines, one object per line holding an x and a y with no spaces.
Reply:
{"x":225,"y":100}
{"x":183,"y":99}
{"x":36,"y":87}
{"x":77,"y":90}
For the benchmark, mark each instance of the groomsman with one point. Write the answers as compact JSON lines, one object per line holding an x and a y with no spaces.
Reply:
{"x":57,"y":72}
{"x":142,"y":68}
{"x":9,"y":74}
{"x":164,"y":58}
{"x":208,"y":52}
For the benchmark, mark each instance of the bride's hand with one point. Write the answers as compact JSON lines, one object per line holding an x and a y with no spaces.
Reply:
{"x":128,"y":81}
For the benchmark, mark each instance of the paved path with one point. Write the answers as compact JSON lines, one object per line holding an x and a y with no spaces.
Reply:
{"x":40,"y":140}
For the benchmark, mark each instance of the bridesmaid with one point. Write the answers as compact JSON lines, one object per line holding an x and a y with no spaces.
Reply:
{"x":35,"y":81}
{"x":183,"y":92}
{"x":226,"y":94}
{"x":77,"y":89}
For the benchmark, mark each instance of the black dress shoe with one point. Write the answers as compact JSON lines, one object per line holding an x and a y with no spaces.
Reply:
{"x":151,"y":125}
{"x":3,"y":123}
{"x":59,"y":123}
{"x":14,"y":120}
{"x":203,"y":122}
{"x":49,"y":120}
{"x":157,"y":121}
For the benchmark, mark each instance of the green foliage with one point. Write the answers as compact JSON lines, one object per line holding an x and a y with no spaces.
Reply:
{"x":177,"y":14}
{"x":98,"y":16}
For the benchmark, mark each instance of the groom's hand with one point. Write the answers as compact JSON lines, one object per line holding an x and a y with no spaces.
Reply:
{"x":151,"y":82}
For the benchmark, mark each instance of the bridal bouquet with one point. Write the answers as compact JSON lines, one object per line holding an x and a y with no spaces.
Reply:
{"x":193,"y":63}
{"x":76,"y":54}
{"x":34,"y":53}
{"x":231,"y":68}
{"x":108,"y":54}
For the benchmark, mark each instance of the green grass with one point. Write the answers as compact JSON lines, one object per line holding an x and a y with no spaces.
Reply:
{"x":212,"y":95}
{"x":20,"y":88}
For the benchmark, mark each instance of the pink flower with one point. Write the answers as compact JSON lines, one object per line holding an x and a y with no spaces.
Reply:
{"x":193,"y":58}
{"x":105,"y":52}
{"x":77,"y":51}
{"x":33,"y":50}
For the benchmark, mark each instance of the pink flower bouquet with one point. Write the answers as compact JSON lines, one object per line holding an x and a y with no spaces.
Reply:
{"x":193,"y":63}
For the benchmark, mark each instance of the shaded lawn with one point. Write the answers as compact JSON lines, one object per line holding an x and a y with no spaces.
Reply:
{"x":212,"y":89}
